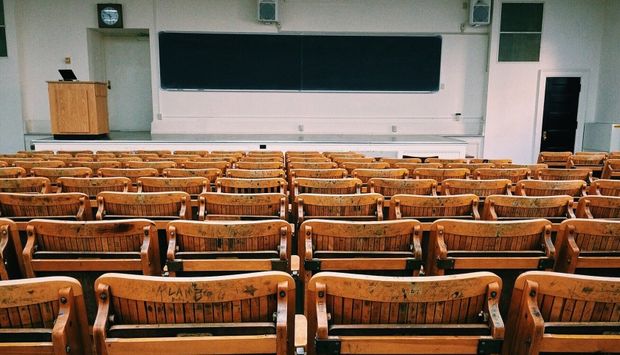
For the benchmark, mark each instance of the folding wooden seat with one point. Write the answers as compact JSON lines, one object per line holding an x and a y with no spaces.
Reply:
{"x":69,"y":161}
{"x":250,"y":165}
{"x":563,"y":313}
{"x":226,"y":206}
{"x":362,"y":314}
{"x":237,"y":314}
{"x":201,"y":153}
{"x":158,"y":165}
{"x":554,"y":159}
{"x":265,"y":153}
{"x":158,"y":152}
{"x":151,"y":205}
{"x":588,"y":244}
{"x":188,"y":157}
{"x":428,"y":208}
{"x":565,"y":174}
{"x":179,"y":161}
{"x":513,"y":174}
{"x":96,"y":156}
{"x":14,"y":155}
{"x":345,"y":207}
{"x":326,"y":186}
{"x":366,"y":174}
{"x":43,"y":316}
{"x":462,"y":246}
{"x":231,"y":246}
{"x":254,"y":174}
{"x":554,"y":208}
{"x":444,"y":161}
{"x":594,"y":162}
{"x":611,"y":169}
{"x":192,"y":185}
{"x":54,"y":156}
{"x":336,"y":173}
{"x":11,"y":160}
{"x":305,"y":153}
{"x":75,"y":152}
{"x":394,"y":161}
{"x":337,"y":154}
{"x":594,"y":206}
{"x":412,"y":166}
{"x":54,"y":173}
{"x":28,"y":165}
{"x":96,"y":165}
{"x":350,"y":166}
{"x":495,"y":162}
{"x":123,"y":160}
{"x":262,"y":159}
{"x":36,"y":185}
{"x":312,"y":165}
{"x":93,"y":186}
{"x":470,"y":166}
{"x":212,"y":173}
{"x":32,"y":153}
{"x":575,"y":188}
{"x":534,"y":168}
{"x":235,"y":153}
{"x":480,"y":188}
{"x":142,"y":156}
{"x":133,"y":174}
{"x":384,"y":247}
{"x":309,"y":160}
{"x":11,"y":263}
{"x":391,"y":187}
{"x":251,"y":186}
{"x":440,"y":175}
{"x":605,"y":187}
{"x":220,"y":164}
{"x":217,"y":158}
{"x":64,"y":246}
{"x":24,"y":207}
{"x":352,"y":159}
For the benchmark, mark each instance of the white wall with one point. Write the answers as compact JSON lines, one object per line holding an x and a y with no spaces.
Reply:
{"x":11,"y":124}
{"x":608,"y":109}
{"x":571,"y":41}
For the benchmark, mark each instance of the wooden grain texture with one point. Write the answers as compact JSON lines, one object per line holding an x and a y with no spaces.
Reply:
{"x":391,"y":187}
{"x":606,"y":187}
{"x":167,"y":205}
{"x":215,"y":205}
{"x":94,"y":185}
{"x":611,"y":169}
{"x":554,"y":159}
{"x":255,"y":174}
{"x":512,"y":174}
{"x":10,"y":249}
{"x":521,"y":207}
{"x":54,"y":173}
{"x":440,"y":175}
{"x":133,"y":174}
{"x":345,"y":206}
{"x":12,"y":172}
{"x":598,"y":207}
{"x":574,"y":188}
{"x":33,"y":185}
{"x":72,"y":206}
{"x":192,"y":185}
{"x":236,"y":185}
{"x":388,"y":173}
{"x":480,"y":188}
{"x":415,"y":206}
{"x":565,"y":174}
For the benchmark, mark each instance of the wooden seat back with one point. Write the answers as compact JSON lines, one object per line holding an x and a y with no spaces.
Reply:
{"x":13,"y":159}
{"x":250,"y":165}
{"x":389,"y":173}
{"x":308,"y":160}
{"x":361,"y":314}
{"x":562,"y":313}
{"x":391,"y":187}
{"x":350,"y":166}
{"x":71,"y":206}
{"x":598,"y":207}
{"x":123,"y":160}
{"x":152,"y":205}
{"x":11,"y":264}
{"x":480,"y":188}
{"x":262,"y":159}
{"x":212,"y":173}
{"x":588,"y":244}
{"x":12,"y":172}
{"x":69,"y":161}
{"x":495,"y":162}
{"x":513,"y":174}
{"x":336,"y":173}
{"x":158,"y":165}
{"x":590,"y":161}
{"x":75,"y":152}
{"x":489,"y":245}
{"x":251,"y":186}
{"x":294,"y":164}
{"x":575,"y":188}
{"x":470,"y":166}
{"x":36,"y":185}
{"x":345,"y":206}
{"x":54,"y":173}
{"x":255,"y":174}
{"x":565,"y":174}
{"x":179,"y":161}
{"x":29,"y":164}
{"x":96,"y":165}
{"x":214,"y":205}
{"x":611,"y":169}
{"x":444,"y":161}
{"x":534,"y":168}
{"x":133,"y":174}
{"x":192,"y":185}
{"x":201,"y":153}
{"x":230,"y":159}
{"x":341,"y":160}
{"x":433,"y":207}
{"x":230,"y":246}
{"x":219,"y":164}
{"x":97,"y":155}
{"x":554,"y":159}
{"x":159,"y":152}
{"x":555,"y":208}
{"x":43,"y":316}
{"x":394,"y":161}
{"x":140,"y":156}
{"x":326,"y":186}
{"x":605,"y":187}
{"x":440,"y":175}
{"x":412,"y":166}
{"x":93,"y":186}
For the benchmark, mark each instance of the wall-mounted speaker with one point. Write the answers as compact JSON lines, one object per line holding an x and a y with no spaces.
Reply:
{"x":479,"y":12}
{"x":268,"y":11}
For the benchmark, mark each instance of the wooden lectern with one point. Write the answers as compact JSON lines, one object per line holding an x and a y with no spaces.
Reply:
{"x":78,"y":107}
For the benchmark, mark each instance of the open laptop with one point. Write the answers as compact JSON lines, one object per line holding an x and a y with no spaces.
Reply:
{"x":67,"y":74}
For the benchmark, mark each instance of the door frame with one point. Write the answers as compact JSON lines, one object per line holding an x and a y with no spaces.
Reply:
{"x":584,"y":76}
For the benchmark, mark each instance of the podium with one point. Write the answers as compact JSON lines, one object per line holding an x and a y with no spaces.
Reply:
{"x":78,"y":108}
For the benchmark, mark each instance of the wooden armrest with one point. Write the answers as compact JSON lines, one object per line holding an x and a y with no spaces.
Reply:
{"x":321,"y":311}
{"x":417,"y":242}
{"x":282,"y":318}
{"x":60,"y":332}
{"x":100,"y":208}
{"x":100,"y":327}
{"x":202,"y":208}
{"x":492,"y":307}
{"x":548,"y":243}
{"x":284,"y":255}
{"x":380,"y":209}
{"x":28,"y":252}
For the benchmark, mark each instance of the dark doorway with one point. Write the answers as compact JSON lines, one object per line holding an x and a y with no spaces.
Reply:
{"x":560,"y":114}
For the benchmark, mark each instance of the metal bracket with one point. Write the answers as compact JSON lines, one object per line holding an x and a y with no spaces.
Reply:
{"x":413,"y":264}
{"x":327,"y":346}
{"x":445,"y":263}
{"x":546,"y":263}
{"x":489,"y":346}
{"x":279,"y":265}
{"x":174,"y":265}
{"x":312,"y":265}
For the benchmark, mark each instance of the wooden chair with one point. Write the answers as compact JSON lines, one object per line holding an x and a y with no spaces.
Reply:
{"x":428,"y":208}
{"x":614,"y":155}
{"x":342,"y":160}
{"x":385,"y":247}
{"x":611,"y":169}
{"x":122,"y":159}
{"x":513,"y":174}
{"x":75,"y":152}
{"x":605,"y":187}
{"x":11,"y":264}
{"x":265,"y":153}
{"x":255,"y":174}
{"x":594,"y":162}
{"x":362,"y":314}
{"x":233,"y":153}
{"x":412,"y":166}
{"x":554,"y":159}
{"x":93,"y":186}
{"x":43,"y":316}
{"x":151,"y":205}
{"x":201,"y":153}
{"x":554,"y":208}
{"x":194,"y":186}
{"x":470,"y":166}
{"x":262,"y":159}
{"x":444,"y":161}
{"x":12,"y":160}
{"x":480,"y":188}
{"x":575,"y":188}
{"x":28,"y":165}
{"x":54,"y":173}
{"x":69,"y":161}
{"x":495,"y":162}
{"x":391,"y":187}
{"x":346,"y":207}
{"x":157,"y":152}
{"x":12,"y":172}
{"x":337,"y":173}
{"x":212,"y":174}
{"x":65,"y":246}
{"x":326,"y":186}
{"x":251,"y":186}
{"x":141,"y":156}
{"x":250,"y":165}
{"x":457,"y":246}
{"x":237,"y":314}
{"x":588,"y":244}
{"x":309,"y":160}
{"x":598,"y":207}
{"x":312,"y":165}
{"x":36,"y":185}
{"x":158,"y":165}
{"x":133,"y":174}
{"x":231,"y":246}
{"x":96,"y":165}
{"x":225,"y":206}
{"x":440,"y":175}
{"x":563,"y":313}
{"x":97,"y":155}
{"x":350,"y":166}
{"x":366,"y":174}
{"x":216,"y":159}
{"x":177,"y":160}
{"x":394,"y":161}
{"x":24,"y":207}
{"x":565,"y":174}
